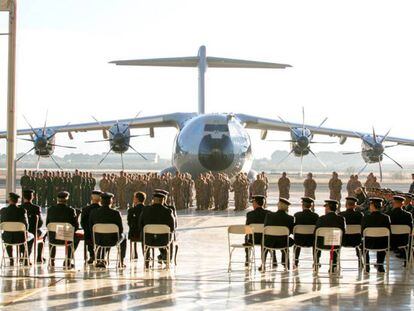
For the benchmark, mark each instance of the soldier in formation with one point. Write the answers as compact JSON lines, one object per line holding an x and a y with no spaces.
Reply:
{"x":284,"y":186}
{"x":240,"y":188}
{"x":310,"y":186}
{"x":47,"y":184}
{"x":335,"y":188}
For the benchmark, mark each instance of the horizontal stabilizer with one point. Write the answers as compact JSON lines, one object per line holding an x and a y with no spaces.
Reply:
{"x":219,"y":62}
{"x":191,"y":61}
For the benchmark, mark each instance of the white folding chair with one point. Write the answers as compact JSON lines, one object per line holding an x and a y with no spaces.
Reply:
{"x":66,"y":239}
{"x":354,"y":230}
{"x":376,"y":232}
{"x":304,"y":230}
{"x":403,"y":230}
{"x":331,"y":238}
{"x":276,"y":231}
{"x":15,"y":227}
{"x":105,"y":249}
{"x":157,"y":230}
{"x":238,"y":230}
{"x":38,"y":240}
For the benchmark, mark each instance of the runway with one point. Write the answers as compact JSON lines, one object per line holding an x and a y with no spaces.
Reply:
{"x":201,"y":281}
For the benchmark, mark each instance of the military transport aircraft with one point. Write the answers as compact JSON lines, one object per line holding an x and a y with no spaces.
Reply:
{"x":216,"y":141}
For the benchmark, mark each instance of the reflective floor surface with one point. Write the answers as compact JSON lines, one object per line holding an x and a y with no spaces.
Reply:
{"x":201,"y":281}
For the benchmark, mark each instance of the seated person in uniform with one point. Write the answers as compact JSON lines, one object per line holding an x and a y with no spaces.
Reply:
{"x":352,"y":217}
{"x":256,"y":216}
{"x":329,"y":220}
{"x":134,"y":213}
{"x":399,"y":216}
{"x":62,"y":212}
{"x":13,"y":213}
{"x":156,"y":214}
{"x":34,"y":215}
{"x":87,"y":233}
{"x":378,"y":220}
{"x":107,"y":215}
{"x":305,"y":217}
{"x":407,"y":203}
{"x":279,"y":218}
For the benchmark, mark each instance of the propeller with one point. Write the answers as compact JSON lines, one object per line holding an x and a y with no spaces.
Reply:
{"x":41,"y":140}
{"x":118,"y":136}
{"x":377,"y":146}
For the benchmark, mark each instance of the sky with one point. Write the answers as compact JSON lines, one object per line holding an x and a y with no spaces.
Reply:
{"x":352,"y":62}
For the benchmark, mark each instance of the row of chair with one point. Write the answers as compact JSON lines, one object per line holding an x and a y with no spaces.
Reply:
{"x":64,"y":236}
{"x":331,"y":237}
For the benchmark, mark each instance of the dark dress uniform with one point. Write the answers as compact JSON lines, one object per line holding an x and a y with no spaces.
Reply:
{"x":107,"y":215}
{"x":279,"y":218}
{"x":376,"y":219}
{"x":352,"y":217}
{"x":13,"y":213}
{"x":85,"y":223}
{"x":330,"y":220}
{"x":34,"y":215}
{"x":400,"y":217}
{"x":62,"y":213}
{"x":257,"y":216}
{"x":134,"y":214}
{"x":156,"y":214}
{"x":305,"y":217}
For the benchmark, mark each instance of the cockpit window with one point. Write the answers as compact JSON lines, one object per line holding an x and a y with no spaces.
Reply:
{"x":216,"y":128}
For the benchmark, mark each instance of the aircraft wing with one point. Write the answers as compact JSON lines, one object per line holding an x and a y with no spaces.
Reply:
{"x":253,"y":122}
{"x":176,"y":120}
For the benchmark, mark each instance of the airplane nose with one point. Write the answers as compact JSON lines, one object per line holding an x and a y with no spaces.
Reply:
{"x":118,"y":139}
{"x":379,"y":148}
{"x":216,"y":154}
{"x":41,"y":142}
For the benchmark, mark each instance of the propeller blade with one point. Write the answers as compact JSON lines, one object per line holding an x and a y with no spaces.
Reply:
{"x":97,"y":141}
{"x":282,"y":140}
{"x":122,"y":160}
{"x":31,"y":127}
{"x":62,"y":146}
{"x":392,"y":146}
{"x":117,"y":126}
{"x":363,"y":139}
{"x":38,"y":163}
{"x":380,"y":168}
{"x":54,"y":160}
{"x":348,"y":153}
{"x":140,"y":135}
{"x":138,"y":152}
{"x":53,"y":135}
{"x":103,"y":159}
{"x":385,"y":136}
{"x":363,"y":169}
{"x":393,"y":160}
{"x":303,"y":120}
{"x":25,"y":154}
{"x":322,"y":142}
{"x":316,"y":157}
{"x":100,"y":123}
{"x":301,"y":165}
{"x":323,"y":122}
{"x":289,"y":126}
{"x":44,"y":126}
{"x":374,"y":135}
{"x":26,"y":139}
{"x":136,"y":116}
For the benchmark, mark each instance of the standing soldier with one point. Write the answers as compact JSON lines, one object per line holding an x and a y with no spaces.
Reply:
{"x":310,"y":186}
{"x":40,"y":189}
{"x":284,"y":186}
{"x":120,"y":189}
{"x":225,"y":192}
{"x":104,"y":183}
{"x":259,"y":186}
{"x":25,"y":181}
{"x":266,"y":181}
{"x":236,"y":188}
{"x":49,"y":186}
{"x":350,"y":186}
{"x":77,"y":189}
{"x":335,"y":188}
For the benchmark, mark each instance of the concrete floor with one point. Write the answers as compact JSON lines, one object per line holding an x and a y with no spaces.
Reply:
{"x":201,"y":281}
